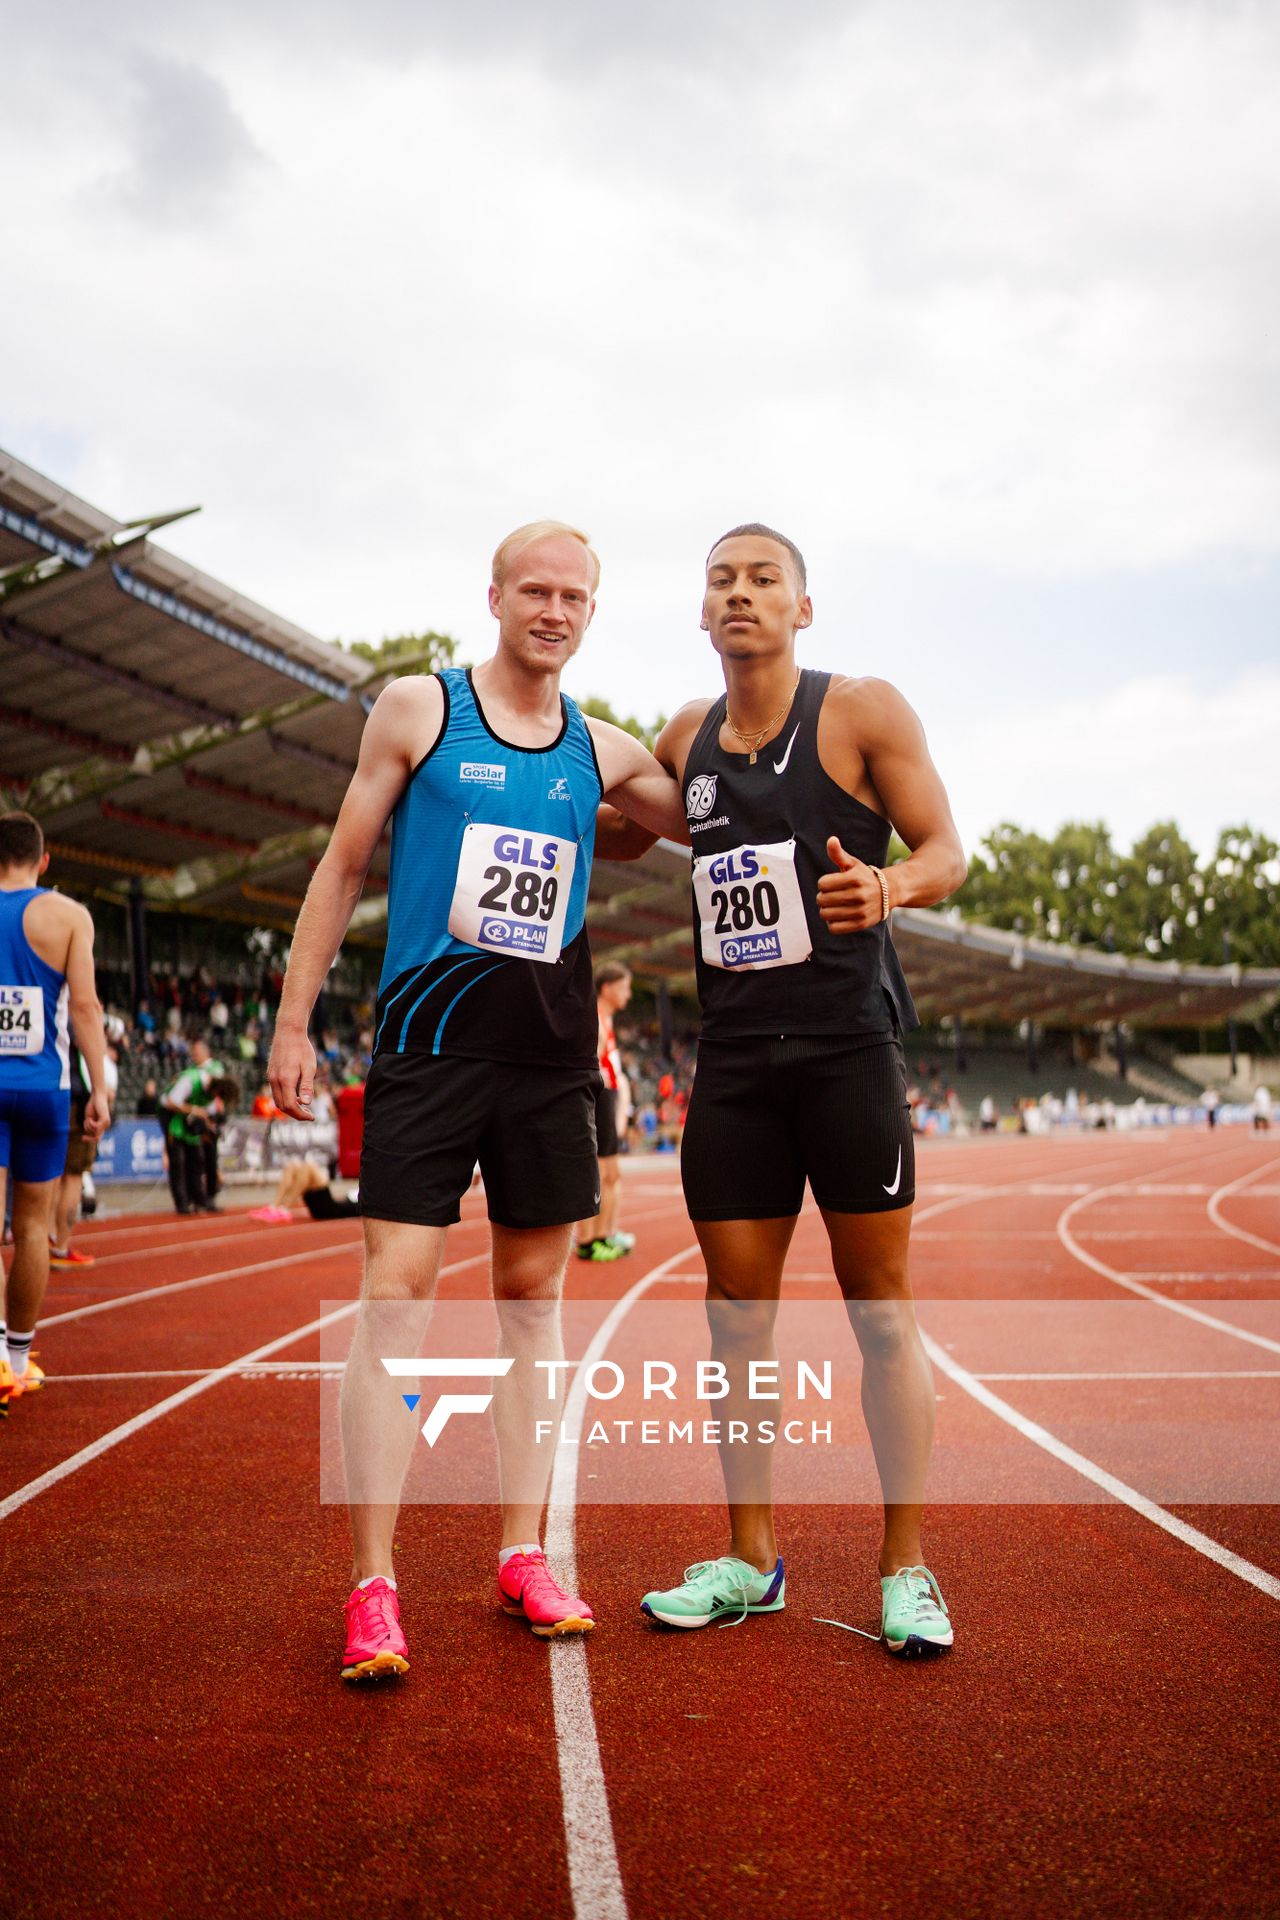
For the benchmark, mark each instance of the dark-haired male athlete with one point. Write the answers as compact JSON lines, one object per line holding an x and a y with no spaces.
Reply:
{"x":792,"y":779}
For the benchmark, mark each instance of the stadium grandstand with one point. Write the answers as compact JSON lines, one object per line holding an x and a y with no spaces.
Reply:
{"x":186,"y":751}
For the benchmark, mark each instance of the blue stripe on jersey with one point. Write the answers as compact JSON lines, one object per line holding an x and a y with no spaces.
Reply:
{"x":21,"y":966}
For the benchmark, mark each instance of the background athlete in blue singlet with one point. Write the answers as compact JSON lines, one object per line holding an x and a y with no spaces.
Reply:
{"x":46,"y":982}
{"x":791,"y":780}
{"x":485,"y":1044}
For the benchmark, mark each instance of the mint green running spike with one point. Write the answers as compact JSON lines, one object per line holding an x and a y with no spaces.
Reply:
{"x":915,"y":1618}
{"x":715,"y":1588}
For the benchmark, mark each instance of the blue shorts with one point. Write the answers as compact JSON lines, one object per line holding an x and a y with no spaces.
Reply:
{"x":34,"y":1124}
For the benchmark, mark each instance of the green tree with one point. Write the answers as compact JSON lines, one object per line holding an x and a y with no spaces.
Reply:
{"x":1010,"y":882}
{"x":1241,"y":899}
{"x":640,"y":730}
{"x":430,"y":650}
{"x":1164,"y":896}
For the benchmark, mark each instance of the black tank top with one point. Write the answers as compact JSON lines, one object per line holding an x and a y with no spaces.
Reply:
{"x":851,"y":983}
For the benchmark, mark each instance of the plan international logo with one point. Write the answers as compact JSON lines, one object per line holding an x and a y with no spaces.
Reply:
{"x":476,"y":773}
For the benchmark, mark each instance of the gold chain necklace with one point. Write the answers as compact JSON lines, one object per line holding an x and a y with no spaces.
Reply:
{"x":753,"y":740}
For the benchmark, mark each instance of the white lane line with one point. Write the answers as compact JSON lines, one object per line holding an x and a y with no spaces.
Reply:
{"x":595,"y":1878}
{"x":257,"y":1369}
{"x":192,"y":1245}
{"x":1227,"y":1373}
{"x":1133,"y":1285}
{"x":1228,"y":1226}
{"x":1090,"y":1470}
{"x":106,"y":1441}
{"x":201,"y":1280}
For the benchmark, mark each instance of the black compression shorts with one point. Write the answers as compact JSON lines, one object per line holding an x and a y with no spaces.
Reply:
{"x":606,"y":1120}
{"x":767,"y":1114}
{"x":429,"y":1119}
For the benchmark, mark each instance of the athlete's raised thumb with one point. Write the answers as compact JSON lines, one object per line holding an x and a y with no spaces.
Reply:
{"x":845,"y":862}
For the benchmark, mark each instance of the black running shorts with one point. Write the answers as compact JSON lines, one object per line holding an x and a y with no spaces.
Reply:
{"x":428,"y":1119}
{"x":768,"y":1114}
{"x":606,"y":1120}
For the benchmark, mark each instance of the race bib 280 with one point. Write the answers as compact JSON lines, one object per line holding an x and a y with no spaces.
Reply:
{"x":750,"y":912}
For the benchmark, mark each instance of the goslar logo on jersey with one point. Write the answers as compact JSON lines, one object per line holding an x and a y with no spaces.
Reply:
{"x":700,"y":796}
{"x":475,"y":773}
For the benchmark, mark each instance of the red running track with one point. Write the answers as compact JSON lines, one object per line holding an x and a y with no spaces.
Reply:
{"x":1100,"y":1742}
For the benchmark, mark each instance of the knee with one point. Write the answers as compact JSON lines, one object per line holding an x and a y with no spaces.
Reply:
{"x":740,"y":1324}
{"x":885,"y":1329}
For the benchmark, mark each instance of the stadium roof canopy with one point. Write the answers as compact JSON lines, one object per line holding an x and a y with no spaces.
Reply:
{"x":168,"y":731}
{"x":160,"y":725}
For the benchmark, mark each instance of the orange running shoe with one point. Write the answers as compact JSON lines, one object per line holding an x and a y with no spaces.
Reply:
{"x":29,"y":1382}
{"x":69,"y":1257}
{"x":375,"y":1639}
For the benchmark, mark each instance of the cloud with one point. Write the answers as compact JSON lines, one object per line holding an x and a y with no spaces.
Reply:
{"x":972,"y":297}
{"x":189,"y":151}
{"x":1156,"y":748}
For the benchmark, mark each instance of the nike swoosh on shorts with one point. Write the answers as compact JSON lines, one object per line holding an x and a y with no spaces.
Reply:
{"x":780,"y":766}
{"x":897,"y":1178}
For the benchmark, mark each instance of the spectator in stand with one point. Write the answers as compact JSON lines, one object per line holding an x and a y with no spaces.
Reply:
{"x":1262,"y":1109}
{"x":264,"y":1107}
{"x":148,"y":1099}
{"x":987,"y":1114}
{"x":146,"y":1019}
{"x":219,"y":1014}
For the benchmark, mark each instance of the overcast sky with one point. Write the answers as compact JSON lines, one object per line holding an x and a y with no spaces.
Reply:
{"x":977,"y":301}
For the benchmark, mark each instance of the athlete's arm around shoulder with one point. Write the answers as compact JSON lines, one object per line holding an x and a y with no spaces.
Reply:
{"x":404,"y":725}
{"x":61,"y":932}
{"x":623,"y":831}
{"x":643,"y":800}
{"x":876,"y":743}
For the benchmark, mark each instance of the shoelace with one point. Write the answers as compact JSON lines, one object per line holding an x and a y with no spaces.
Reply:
{"x":545,"y":1586}
{"x":922,"y":1587}
{"x":709,"y":1570}
{"x":382,"y":1602}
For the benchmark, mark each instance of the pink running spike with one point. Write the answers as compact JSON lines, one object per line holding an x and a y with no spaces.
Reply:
{"x":527,"y":1589}
{"x":375,"y":1641}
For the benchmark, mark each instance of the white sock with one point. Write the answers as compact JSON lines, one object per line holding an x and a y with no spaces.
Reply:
{"x":527,"y":1546}
{"x":378,"y":1576}
{"x":19,"y":1346}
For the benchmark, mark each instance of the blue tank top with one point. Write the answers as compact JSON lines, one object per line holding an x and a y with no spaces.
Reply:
{"x":33,"y":998}
{"x":443,"y":995}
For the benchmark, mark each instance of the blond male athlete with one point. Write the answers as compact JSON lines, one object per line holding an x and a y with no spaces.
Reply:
{"x":800,"y":775}
{"x":46,"y":974}
{"x":485,"y":1042}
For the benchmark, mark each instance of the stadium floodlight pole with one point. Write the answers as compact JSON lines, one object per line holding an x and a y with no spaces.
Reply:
{"x":1232,"y":1038}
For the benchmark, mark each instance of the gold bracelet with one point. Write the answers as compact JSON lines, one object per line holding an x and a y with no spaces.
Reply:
{"x":884,"y":893}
